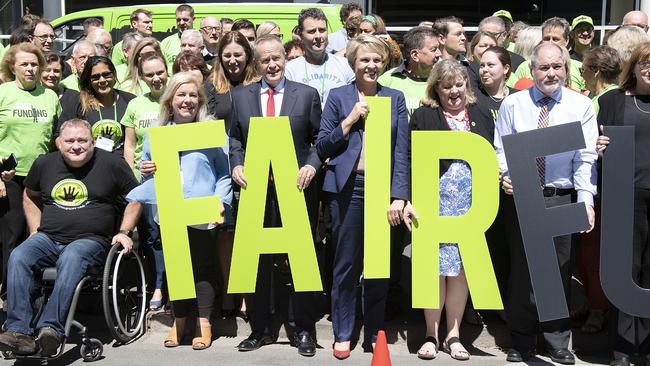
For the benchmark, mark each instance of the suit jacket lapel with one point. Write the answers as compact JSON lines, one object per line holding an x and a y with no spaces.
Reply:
{"x":255,"y":101}
{"x":288,"y":99}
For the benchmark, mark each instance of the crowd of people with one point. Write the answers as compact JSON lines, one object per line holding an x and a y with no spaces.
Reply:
{"x":77,"y":164}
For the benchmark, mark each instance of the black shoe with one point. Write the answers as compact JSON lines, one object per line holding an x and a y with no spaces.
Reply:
{"x":516,"y":356}
{"x":621,"y":361}
{"x":17,"y":343}
{"x":562,"y":355}
{"x":305,"y":343}
{"x":49,"y":341}
{"x":254,"y":342}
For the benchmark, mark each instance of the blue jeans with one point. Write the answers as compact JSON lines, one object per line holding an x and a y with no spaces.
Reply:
{"x":39,"y":251}
{"x":155,"y":245}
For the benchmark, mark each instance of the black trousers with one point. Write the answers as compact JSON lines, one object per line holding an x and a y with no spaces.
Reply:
{"x":207,"y":274}
{"x":273,"y":276}
{"x":628,"y":332}
{"x":521,"y":311}
{"x":12,"y":223}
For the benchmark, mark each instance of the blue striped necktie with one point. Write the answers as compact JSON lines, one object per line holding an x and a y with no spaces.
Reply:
{"x":542,"y":123}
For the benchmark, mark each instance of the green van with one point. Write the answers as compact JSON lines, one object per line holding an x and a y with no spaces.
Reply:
{"x":69,"y":28}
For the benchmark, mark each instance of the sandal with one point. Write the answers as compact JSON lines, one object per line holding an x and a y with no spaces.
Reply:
{"x":155,"y":305}
{"x":175,"y":334}
{"x":202,"y":337}
{"x":457,"y":353}
{"x":428,"y":355}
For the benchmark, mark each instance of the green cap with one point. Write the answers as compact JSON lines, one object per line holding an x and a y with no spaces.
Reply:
{"x":503,"y":14}
{"x":581,"y":19}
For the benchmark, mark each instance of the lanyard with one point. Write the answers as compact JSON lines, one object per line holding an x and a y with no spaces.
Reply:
{"x":114,"y":112}
{"x":322,"y":80}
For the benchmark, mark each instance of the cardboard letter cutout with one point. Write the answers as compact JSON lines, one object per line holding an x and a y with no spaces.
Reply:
{"x":617,"y":225}
{"x":540,"y":224}
{"x":376,"y":229}
{"x":174,"y":211}
{"x":429,"y":147}
{"x":270,"y":142}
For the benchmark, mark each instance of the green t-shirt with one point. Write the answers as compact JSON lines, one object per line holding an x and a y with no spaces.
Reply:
{"x":121,"y":71}
{"x":605,"y":90}
{"x":414,"y":91}
{"x":576,"y":82}
{"x":27,"y":119}
{"x":117,"y":56}
{"x":71,"y":82}
{"x":141,"y":89}
{"x":171,"y":47}
{"x":139,"y":115}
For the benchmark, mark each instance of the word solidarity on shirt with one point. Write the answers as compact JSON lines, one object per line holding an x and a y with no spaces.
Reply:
{"x":270,"y":144}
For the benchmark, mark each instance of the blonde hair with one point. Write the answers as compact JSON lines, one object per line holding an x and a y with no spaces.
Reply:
{"x":7,"y":72}
{"x":134,"y":73}
{"x":626,"y":39}
{"x":527,"y":39}
{"x":376,"y":22}
{"x":266,"y":28}
{"x":371,"y":43}
{"x":166,"y":112}
{"x":441,"y":72}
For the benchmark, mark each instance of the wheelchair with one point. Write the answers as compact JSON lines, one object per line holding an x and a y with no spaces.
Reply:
{"x":122,"y":283}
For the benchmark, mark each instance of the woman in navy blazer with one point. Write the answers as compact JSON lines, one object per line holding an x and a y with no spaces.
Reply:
{"x":340,"y":140}
{"x":450,"y":105}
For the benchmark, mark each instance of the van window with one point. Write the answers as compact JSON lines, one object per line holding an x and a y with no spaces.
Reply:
{"x":67,"y":34}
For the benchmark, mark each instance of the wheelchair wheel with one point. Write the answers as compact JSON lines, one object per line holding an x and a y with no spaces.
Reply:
{"x":91,"y":350}
{"x":124,"y":292}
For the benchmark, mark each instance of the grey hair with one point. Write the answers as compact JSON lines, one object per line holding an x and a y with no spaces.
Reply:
{"x":130,"y":39}
{"x":559,"y":23}
{"x":205,"y":20}
{"x":264,"y":39}
{"x":535,"y":55}
{"x":76,"y":122}
{"x":193,"y":33}
{"x":492,"y":20}
{"x":96,"y":35}
{"x":82,"y":44}
{"x":527,"y":39}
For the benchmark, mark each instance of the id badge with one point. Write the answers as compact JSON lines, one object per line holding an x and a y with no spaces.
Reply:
{"x":104,"y":143}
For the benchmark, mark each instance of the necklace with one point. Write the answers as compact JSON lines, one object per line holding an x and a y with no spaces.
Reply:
{"x":637,"y":106}
{"x":506,"y":91}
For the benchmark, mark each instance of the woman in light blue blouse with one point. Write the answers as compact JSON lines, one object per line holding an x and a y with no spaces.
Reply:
{"x":205,"y":172}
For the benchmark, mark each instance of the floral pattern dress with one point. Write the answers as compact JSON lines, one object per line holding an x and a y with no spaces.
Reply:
{"x":455,"y":200}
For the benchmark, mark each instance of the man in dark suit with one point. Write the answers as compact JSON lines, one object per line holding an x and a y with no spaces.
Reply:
{"x":274,"y":95}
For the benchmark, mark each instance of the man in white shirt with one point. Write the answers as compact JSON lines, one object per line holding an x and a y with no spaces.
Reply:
{"x":567,"y":176}
{"x":317,"y":68}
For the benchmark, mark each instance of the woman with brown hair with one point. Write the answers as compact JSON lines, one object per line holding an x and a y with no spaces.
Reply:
{"x":188,"y":61}
{"x":450,"y":105}
{"x":233,"y":66}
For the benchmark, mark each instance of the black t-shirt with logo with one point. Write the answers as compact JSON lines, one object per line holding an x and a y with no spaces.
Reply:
{"x":80,"y":203}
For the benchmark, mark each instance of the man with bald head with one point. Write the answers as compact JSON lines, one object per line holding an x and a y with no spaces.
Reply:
{"x":637,"y":18}
{"x":211,"y":32}
{"x":82,"y":50}
{"x":564,"y":178}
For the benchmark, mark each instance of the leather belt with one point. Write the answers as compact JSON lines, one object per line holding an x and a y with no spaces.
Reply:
{"x":552,"y":191}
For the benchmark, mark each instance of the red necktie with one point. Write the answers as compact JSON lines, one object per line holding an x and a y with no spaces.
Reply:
{"x":270,"y":104}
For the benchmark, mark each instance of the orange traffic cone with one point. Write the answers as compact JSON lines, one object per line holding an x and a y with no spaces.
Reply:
{"x":381,"y":356}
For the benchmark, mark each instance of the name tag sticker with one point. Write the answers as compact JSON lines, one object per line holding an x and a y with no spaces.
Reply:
{"x":104,"y":143}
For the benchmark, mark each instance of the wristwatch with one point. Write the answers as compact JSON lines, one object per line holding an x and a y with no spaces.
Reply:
{"x":128,"y":233}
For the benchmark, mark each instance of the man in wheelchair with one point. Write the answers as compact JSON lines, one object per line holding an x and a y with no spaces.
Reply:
{"x":71,"y":201}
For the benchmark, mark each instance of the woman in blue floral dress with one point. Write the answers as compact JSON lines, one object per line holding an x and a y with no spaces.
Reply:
{"x":450,"y":106}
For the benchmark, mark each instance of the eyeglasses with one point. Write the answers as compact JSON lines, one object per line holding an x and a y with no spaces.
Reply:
{"x":496,"y":35}
{"x":107,"y":48}
{"x":45,"y":37}
{"x":209,"y":29}
{"x":106,"y":75}
{"x":644,"y":65}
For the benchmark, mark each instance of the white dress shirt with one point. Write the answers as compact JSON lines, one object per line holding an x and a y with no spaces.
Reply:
{"x":576,"y":169}
{"x":277,"y":96}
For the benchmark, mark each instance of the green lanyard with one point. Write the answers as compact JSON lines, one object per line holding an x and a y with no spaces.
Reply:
{"x":322,"y":80}
{"x":114,"y":112}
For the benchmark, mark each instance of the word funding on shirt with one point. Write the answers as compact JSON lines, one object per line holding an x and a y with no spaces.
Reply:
{"x":270,"y":143}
